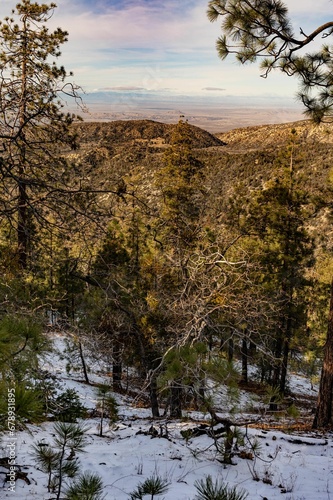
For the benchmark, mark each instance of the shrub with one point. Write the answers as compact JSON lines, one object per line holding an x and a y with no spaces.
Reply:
{"x":87,"y":486}
{"x":58,"y":460}
{"x":152,"y":486}
{"x":67,"y":407}
{"x":207,"y":490}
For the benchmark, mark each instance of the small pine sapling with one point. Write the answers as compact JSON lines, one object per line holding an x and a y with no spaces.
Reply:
{"x":226,"y":449}
{"x":208,"y":490}
{"x":87,"y":486}
{"x":75,"y":357}
{"x":274,"y":398}
{"x":152,"y":486}
{"x":107,"y":406}
{"x":28,"y":404}
{"x":48,"y":385}
{"x":67,"y":406}
{"x":59,"y":460}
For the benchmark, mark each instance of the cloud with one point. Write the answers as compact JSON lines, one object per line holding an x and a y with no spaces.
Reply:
{"x":121,"y":88}
{"x":152,"y":45}
{"x":213,"y":88}
{"x":306,"y":7}
{"x":154,"y":40}
{"x":141,"y":24}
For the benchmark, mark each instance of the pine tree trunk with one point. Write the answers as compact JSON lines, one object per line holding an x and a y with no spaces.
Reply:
{"x":324,"y":413}
{"x":230,"y":349}
{"x":286,"y":350}
{"x":228,"y":443}
{"x":117,"y":367}
{"x":244,"y":361}
{"x":176,"y":400}
{"x":278,"y":355}
{"x":22,"y":222}
{"x":252,"y":349}
{"x":83,"y":362}
{"x":284,"y":366}
{"x":153,"y":397}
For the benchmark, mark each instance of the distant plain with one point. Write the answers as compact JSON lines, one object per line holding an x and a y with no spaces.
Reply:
{"x":212,"y":113}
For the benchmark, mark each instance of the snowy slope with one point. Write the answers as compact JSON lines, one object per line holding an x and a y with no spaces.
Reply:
{"x":287,"y":466}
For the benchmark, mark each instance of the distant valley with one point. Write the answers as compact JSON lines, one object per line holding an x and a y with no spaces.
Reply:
{"x":214,"y":113}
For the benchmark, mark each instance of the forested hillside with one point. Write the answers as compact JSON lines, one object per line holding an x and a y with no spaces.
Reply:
{"x":177,"y":252}
{"x":180,"y":275}
{"x":216,"y":244}
{"x":186,"y":263}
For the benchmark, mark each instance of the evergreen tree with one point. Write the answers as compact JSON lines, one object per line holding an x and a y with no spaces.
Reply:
{"x":58,"y":459}
{"x":196,"y":284}
{"x":22,"y":343}
{"x":276,"y":216}
{"x":181,"y":181}
{"x":33,"y":128}
{"x":87,"y":486}
{"x":218,"y":490}
{"x":324,"y":411}
{"x":121,"y":308}
{"x":179,"y":230}
{"x":154,"y":485}
{"x":107,"y":406}
{"x":254,"y":30}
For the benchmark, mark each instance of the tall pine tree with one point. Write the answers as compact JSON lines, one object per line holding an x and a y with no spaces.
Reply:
{"x":275,"y":218}
{"x":33,"y":127}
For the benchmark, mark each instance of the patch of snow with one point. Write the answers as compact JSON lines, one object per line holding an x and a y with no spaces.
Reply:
{"x":287,"y":466}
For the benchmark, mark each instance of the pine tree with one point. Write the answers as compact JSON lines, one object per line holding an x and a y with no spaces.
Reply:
{"x":87,"y":486}
{"x":58,"y":459}
{"x":121,"y":308}
{"x":324,"y":411}
{"x":276,"y":217}
{"x":254,"y":30}
{"x":21,"y":341}
{"x":107,"y":406}
{"x":33,"y":128}
{"x":264,"y":30}
{"x":179,"y":230}
{"x":154,"y":485}
{"x":181,"y":181}
{"x":218,"y":490}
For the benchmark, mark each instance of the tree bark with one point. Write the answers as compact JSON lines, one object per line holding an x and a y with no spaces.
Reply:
{"x":244,"y":360}
{"x":117,"y":367}
{"x":176,"y":399}
{"x":277,"y":362}
{"x":22,"y":223}
{"x":324,"y":416}
{"x":153,"y":397}
{"x":284,"y":366}
{"x":83,"y":362}
{"x":285,"y":354}
{"x":230,"y":350}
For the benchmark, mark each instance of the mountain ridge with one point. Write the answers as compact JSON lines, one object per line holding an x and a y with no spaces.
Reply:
{"x":152,"y":132}
{"x":113,"y":150}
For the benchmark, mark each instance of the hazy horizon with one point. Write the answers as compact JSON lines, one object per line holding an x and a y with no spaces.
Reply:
{"x":145,"y":59}
{"x":212,"y":112}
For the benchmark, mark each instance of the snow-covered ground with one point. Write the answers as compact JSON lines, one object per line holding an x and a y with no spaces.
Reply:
{"x":289,"y":466}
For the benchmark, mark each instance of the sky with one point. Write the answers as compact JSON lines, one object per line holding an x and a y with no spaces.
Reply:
{"x":162,"y":47}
